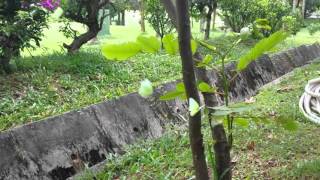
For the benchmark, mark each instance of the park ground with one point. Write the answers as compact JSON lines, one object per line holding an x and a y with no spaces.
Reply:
{"x":49,"y":82}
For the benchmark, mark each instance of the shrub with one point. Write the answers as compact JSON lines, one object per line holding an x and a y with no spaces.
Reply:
{"x":21,"y":26}
{"x":241,"y":13}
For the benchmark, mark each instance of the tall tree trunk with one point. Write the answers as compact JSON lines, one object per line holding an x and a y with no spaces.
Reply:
{"x":303,"y":11}
{"x":208,"y":24}
{"x":222,"y":150}
{"x":221,"y":145}
{"x":196,"y":137}
{"x":294,"y":5}
{"x":9,"y":53}
{"x":215,"y":6}
{"x":123,"y":18}
{"x":118,"y":19}
{"x":202,"y":23}
{"x":142,"y":15}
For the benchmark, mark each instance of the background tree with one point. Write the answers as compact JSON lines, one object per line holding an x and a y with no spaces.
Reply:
{"x":158,"y":18}
{"x":238,"y":14}
{"x":121,"y":6}
{"x":142,"y":15}
{"x":205,"y":8}
{"x":85,"y":12}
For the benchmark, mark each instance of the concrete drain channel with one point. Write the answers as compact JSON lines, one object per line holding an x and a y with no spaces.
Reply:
{"x":58,"y":147}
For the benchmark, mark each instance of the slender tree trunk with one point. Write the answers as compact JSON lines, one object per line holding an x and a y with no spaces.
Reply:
{"x":202,"y":23}
{"x":294,"y":5}
{"x":221,"y":152}
{"x":221,"y":146}
{"x":196,"y":137}
{"x":123,"y":18}
{"x":215,"y":6}
{"x":118,"y":19}
{"x":5,"y":65}
{"x":9,"y":53}
{"x":208,"y":24}
{"x":142,"y":14}
{"x":303,"y":11}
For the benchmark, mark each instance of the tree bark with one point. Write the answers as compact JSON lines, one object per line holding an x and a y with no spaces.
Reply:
{"x":123,"y":18}
{"x":196,"y":137}
{"x":142,"y":14}
{"x":294,"y":5}
{"x":83,"y":38}
{"x":303,"y":11}
{"x":118,"y":19}
{"x":221,"y":152}
{"x":91,"y":20}
{"x":215,"y":6}
{"x":208,"y":24}
{"x":5,"y":64}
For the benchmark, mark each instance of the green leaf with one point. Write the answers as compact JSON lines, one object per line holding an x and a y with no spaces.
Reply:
{"x":121,"y":51}
{"x":288,"y":123}
{"x":180,"y":87}
{"x":149,"y":44}
{"x":170,"y":44}
{"x":194,"y":107}
{"x":146,"y":88}
{"x":206,"y":88}
{"x":208,"y":46}
{"x":194,"y":46}
{"x":241,"y":122}
{"x":218,"y":113}
{"x":171,"y":95}
{"x":261,"y":47}
{"x":223,"y":110}
{"x":206,"y":61}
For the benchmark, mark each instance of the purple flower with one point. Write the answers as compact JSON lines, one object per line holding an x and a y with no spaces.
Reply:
{"x":50,"y":4}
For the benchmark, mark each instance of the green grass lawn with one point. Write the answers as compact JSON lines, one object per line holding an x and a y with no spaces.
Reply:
{"x":261,"y":150}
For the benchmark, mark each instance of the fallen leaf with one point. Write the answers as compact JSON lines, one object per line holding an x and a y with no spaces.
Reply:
{"x":250,"y":100}
{"x":251,"y":146}
{"x":285,"y":89}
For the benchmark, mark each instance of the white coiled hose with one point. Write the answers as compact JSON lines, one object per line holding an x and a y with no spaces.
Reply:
{"x":310,"y":101}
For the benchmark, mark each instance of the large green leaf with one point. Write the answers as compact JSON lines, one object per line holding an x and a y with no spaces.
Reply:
{"x":261,"y":47}
{"x":206,"y":88}
{"x":242,"y":122}
{"x":149,"y":44}
{"x":288,"y":123}
{"x":234,"y":109}
{"x":208,"y":46}
{"x":170,"y":44}
{"x":194,"y":107}
{"x":121,"y":51}
{"x":146,"y":88}
{"x":206,"y":61}
{"x":171,"y":95}
{"x":179,"y":92}
{"x":180,"y":87}
{"x":194,"y":46}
